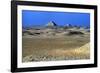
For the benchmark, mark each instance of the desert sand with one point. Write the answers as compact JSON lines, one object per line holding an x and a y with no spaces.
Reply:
{"x":53,"y":44}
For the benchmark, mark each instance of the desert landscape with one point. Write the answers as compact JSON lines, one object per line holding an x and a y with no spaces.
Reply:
{"x":55,"y":43}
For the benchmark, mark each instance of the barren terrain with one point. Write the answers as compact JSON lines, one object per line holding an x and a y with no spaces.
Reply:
{"x":55,"y":44}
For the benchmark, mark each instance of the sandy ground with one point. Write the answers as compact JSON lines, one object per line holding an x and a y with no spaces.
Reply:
{"x":50,"y":48}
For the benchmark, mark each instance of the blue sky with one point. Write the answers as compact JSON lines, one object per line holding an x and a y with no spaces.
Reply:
{"x":41,"y":18}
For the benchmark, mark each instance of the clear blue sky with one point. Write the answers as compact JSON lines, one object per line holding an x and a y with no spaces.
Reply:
{"x":41,"y":18}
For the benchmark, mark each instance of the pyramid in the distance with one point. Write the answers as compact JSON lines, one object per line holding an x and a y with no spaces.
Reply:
{"x":51,"y":24}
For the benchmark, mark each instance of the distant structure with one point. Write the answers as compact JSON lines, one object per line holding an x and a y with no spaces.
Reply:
{"x":68,"y":26}
{"x":51,"y":24}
